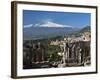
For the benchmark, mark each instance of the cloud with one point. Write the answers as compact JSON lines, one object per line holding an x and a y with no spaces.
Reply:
{"x":27,"y":26}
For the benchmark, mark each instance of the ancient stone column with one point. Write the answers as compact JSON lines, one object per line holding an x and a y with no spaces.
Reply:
{"x":64,"y":56}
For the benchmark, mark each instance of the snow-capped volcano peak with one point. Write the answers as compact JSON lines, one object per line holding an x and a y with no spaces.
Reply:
{"x":47,"y":24}
{"x":50,"y":24}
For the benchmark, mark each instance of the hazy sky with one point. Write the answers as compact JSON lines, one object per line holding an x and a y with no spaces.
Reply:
{"x":31,"y":18}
